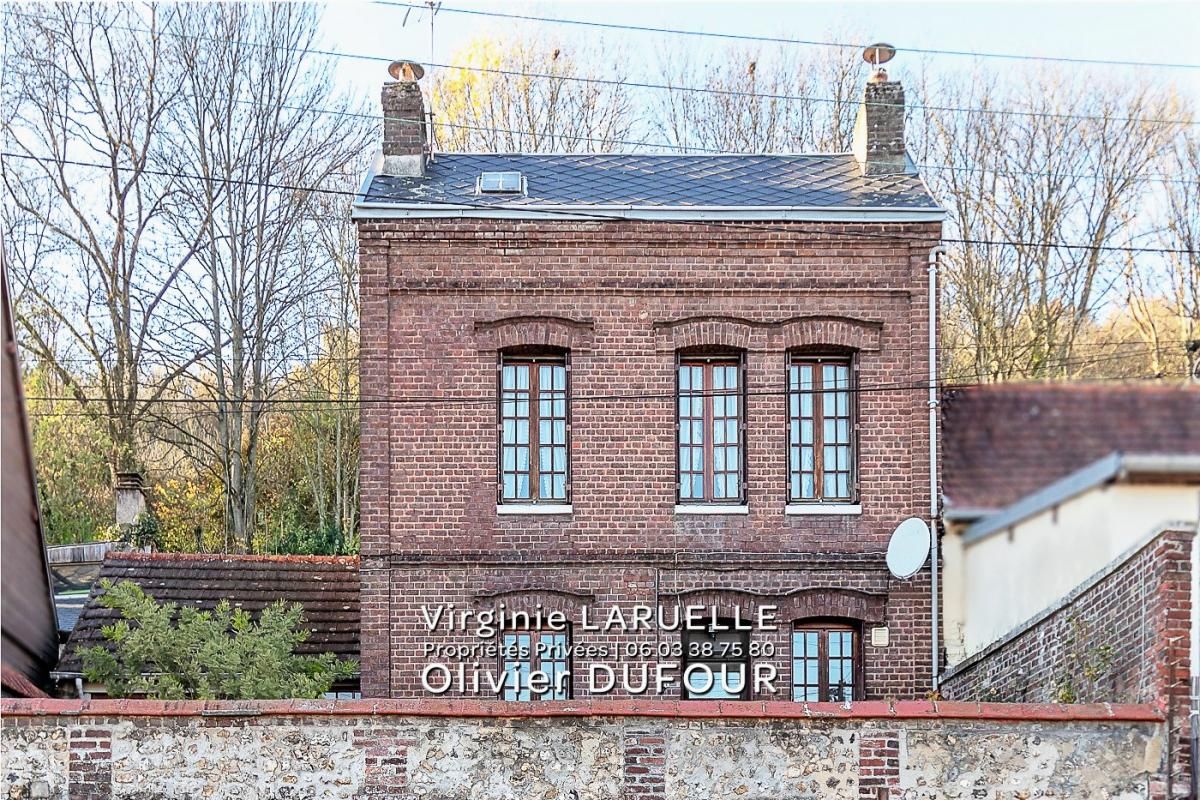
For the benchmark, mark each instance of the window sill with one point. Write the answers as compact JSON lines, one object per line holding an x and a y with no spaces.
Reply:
{"x":535,"y":508}
{"x":823,"y":509}
{"x":700,"y":508}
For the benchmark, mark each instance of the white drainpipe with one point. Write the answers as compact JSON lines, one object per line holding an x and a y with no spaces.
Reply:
{"x":934,"y":401}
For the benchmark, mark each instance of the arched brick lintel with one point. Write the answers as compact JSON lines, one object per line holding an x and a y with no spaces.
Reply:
{"x":792,"y":607}
{"x":557,"y":332}
{"x":796,"y":332}
{"x":841,"y":332}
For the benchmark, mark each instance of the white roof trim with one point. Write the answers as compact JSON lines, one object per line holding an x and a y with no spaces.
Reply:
{"x":1114,"y":467}
{"x":595,"y":212}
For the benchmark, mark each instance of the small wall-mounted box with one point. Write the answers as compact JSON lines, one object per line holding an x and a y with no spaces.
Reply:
{"x":879,"y":636}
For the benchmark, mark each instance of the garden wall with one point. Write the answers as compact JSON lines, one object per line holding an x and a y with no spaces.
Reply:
{"x":602,"y":750}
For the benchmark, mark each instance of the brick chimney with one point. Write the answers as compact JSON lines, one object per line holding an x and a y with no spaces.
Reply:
{"x":129,"y":497}
{"x":879,"y":131}
{"x":404,"y":135}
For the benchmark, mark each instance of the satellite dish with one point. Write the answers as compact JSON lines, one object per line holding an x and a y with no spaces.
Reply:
{"x":908,"y":548}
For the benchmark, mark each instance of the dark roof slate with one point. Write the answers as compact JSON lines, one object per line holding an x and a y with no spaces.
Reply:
{"x":816,"y":181}
{"x":327,"y":587}
{"x":1004,"y":441}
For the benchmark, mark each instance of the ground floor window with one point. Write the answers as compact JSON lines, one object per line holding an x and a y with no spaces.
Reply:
{"x":716,"y":663}
{"x":524,"y":653}
{"x":825,"y":662}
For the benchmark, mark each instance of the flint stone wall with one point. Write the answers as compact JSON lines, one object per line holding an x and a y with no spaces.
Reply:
{"x":663,"y":751}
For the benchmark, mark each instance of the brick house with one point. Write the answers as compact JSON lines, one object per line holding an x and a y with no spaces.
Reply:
{"x":600,"y":381}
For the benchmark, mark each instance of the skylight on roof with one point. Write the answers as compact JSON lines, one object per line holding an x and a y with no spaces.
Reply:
{"x":501,"y":183}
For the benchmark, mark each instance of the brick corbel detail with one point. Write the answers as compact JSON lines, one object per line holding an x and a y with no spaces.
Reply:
{"x":558,"y":332}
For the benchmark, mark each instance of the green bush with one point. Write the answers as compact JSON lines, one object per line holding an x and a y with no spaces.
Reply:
{"x":164,"y":652}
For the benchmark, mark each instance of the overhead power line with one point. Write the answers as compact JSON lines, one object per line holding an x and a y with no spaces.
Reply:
{"x":585,"y":215}
{"x":787,"y":40}
{"x":1149,"y":177}
{"x":639,"y":84}
{"x":952,"y":381}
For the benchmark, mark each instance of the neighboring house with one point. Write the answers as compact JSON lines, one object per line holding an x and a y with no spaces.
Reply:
{"x":1047,"y":484}
{"x":1071,"y":571}
{"x":29,"y":646}
{"x":327,"y":587}
{"x":650,"y":380}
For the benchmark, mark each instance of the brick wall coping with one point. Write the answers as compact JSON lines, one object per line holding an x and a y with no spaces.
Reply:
{"x":695,"y":709}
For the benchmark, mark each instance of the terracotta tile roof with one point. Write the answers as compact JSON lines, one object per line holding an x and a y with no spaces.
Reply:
{"x":1003,"y":441}
{"x":16,"y":684}
{"x":327,"y":587}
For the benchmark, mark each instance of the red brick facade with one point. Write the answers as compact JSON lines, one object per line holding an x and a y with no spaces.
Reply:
{"x":441,"y":298}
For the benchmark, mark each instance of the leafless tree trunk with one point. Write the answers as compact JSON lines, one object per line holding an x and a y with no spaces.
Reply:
{"x":330,"y":378}
{"x":87,"y":92}
{"x":763,"y":100}
{"x":251,"y":127}
{"x":1073,"y":167}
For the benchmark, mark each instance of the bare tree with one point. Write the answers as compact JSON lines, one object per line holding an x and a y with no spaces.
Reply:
{"x":329,"y":379}
{"x":259,"y":129}
{"x":1071,"y":166}
{"x":761,"y":100}
{"x":87,"y":90}
{"x":518,"y":96}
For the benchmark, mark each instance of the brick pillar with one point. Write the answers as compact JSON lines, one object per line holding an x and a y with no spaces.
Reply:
{"x":645,"y":765}
{"x":879,"y":765}
{"x":89,"y":766}
{"x":386,"y":761}
{"x":1171,"y":614}
{"x":375,"y":619}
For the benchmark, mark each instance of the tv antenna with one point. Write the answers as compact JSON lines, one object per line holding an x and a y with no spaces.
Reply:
{"x":434,"y":7}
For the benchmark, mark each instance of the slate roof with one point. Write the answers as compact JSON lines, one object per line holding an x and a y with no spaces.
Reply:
{"x":68,"y":608}
{"x":1003,"y":441}
{"x":327,"y":587}
{"x":657,"y":180}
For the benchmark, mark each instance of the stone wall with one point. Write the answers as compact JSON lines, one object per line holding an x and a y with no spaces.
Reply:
{"x":71,"y":750}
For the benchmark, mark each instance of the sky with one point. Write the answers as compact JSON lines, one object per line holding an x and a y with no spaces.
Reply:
{"x":1128,"y":31}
